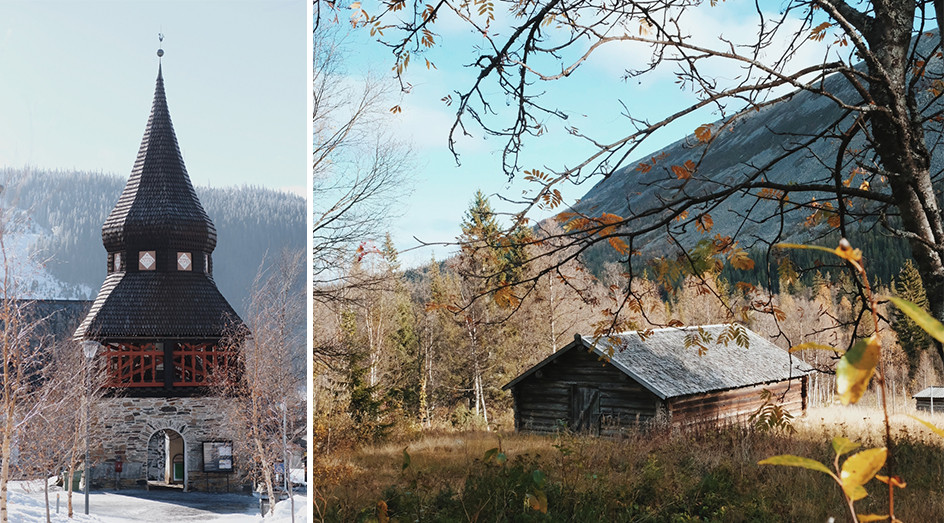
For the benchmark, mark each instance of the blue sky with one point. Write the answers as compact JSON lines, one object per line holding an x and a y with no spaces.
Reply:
{"x":78,"y":80}
{"x":593,"y":98}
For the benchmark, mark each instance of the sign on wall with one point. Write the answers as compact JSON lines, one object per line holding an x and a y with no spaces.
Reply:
{"x":217,"y":456}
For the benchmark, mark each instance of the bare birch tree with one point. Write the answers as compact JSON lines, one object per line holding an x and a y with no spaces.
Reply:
{"x":359,"y":167}
{"x":876,"y":72}
{"x":22,"y":360}
{"x":57,"y":409}
{"x":268,"y":398}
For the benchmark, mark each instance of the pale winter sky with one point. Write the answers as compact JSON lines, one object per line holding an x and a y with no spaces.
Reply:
{"x":593,"y":99}
{"x":78,"y":80}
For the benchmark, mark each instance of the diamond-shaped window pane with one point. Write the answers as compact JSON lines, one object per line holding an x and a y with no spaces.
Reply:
{"x":183,"y":261}
{"x":117,"y":261}
{"x":146,"y":260}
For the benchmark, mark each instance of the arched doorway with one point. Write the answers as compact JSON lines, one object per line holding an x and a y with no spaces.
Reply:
{"x":167,"y":459}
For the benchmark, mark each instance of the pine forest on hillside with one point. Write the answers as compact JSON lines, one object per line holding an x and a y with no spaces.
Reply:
{"x":66,"y":211}
{"x":408,"y":349}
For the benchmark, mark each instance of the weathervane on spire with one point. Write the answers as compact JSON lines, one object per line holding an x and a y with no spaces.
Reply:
{"x":160,"y":50}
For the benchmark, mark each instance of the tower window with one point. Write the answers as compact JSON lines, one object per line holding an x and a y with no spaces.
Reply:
{"x":147,"y":260}
{"x":184,"y":262}
{"x":117,"y":262}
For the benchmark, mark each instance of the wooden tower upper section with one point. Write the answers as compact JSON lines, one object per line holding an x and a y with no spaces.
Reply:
{"x":159,"y":302}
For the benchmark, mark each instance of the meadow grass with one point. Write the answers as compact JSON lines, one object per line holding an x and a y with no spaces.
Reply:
{"x":706,"y":474}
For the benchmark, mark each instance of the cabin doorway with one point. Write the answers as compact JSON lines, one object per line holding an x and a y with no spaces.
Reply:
{"x":166,"y":465}
{"x":585,"y":409}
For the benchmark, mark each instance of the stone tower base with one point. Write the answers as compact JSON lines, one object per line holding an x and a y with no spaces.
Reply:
{"x":160,"y":442}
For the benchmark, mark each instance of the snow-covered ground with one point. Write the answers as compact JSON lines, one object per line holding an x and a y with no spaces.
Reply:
{"x":26,"y":505}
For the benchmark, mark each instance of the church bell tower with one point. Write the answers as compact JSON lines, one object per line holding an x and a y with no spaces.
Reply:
{"x":160,"y":323}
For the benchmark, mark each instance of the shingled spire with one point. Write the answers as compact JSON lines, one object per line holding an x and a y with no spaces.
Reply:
{"x":158,"y":207}
{"x":159,"y":242}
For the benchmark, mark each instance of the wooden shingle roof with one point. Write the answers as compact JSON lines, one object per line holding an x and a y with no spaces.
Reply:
{"x":184,"y":305}
{"x":662,"y":364}
{"x":158,"y":208}
{"x":937,"y":392}
{"x":158,"y":212}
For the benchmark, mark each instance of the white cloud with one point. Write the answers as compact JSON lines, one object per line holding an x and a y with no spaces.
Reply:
{"x":709,"y":27}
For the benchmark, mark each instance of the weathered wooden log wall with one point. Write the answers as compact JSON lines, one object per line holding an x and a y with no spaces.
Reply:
{"x":737,"y":405}
{"x":543,"y":400}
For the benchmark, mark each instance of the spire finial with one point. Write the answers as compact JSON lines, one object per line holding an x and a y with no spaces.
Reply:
{"x":160,"y":50}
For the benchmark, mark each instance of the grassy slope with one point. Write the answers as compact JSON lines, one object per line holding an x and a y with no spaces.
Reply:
{"x":656,"y":476}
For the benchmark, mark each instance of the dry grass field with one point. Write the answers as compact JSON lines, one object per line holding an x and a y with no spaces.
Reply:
{"x":658,"y":475}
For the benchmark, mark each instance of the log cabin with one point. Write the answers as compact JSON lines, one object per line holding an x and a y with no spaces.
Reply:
{"x":677,"y":376}
{"x":930,"y":399}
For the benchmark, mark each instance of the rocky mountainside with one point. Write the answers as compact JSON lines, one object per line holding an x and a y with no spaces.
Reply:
{"x":754,"y":141}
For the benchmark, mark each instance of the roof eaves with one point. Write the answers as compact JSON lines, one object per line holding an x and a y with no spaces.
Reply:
{"x":536,"y":367}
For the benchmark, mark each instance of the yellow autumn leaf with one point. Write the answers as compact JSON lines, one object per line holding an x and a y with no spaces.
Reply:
{"x":789,"y":460}
{"x":859,"y":469}
{"x":811,"y":345}
{"x":505,"y":297}
{"x":896,"y":481}
{"x":537,"y":501}
{"x":855,"y":369}
{"x":846,"y":252}
{"x":842,"y":445}
{"x":819,"y":32}
{"x":741,"y":260}
{"x":931,"y":426}
{"x":921,"y":317}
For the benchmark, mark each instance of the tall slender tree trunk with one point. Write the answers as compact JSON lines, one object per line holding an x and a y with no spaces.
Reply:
{"x":266,"y":472}
{"x":256,"y":427}
{"x":553,"y":312}
{"x":372,"y":356}
{"x":481,"y":395}
{"x":46,"y":498}
{"x":5,"y":466}
{"x":902,"y":149}
{"x":422,"y":353}
{"x":69,"y":481}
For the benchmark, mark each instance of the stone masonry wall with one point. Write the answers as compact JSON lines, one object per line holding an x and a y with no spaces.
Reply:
{"x":123,"y":427}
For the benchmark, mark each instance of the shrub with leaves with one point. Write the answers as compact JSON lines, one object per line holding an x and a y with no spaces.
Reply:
{"x":854,"y":372}
{"x":771,"y":416}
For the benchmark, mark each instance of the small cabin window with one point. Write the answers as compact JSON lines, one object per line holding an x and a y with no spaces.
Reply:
{"x":184,"y":261}
{"x":147,"y":260}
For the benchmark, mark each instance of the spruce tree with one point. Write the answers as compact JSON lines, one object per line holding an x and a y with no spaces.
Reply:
{"x":911,"y":337}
